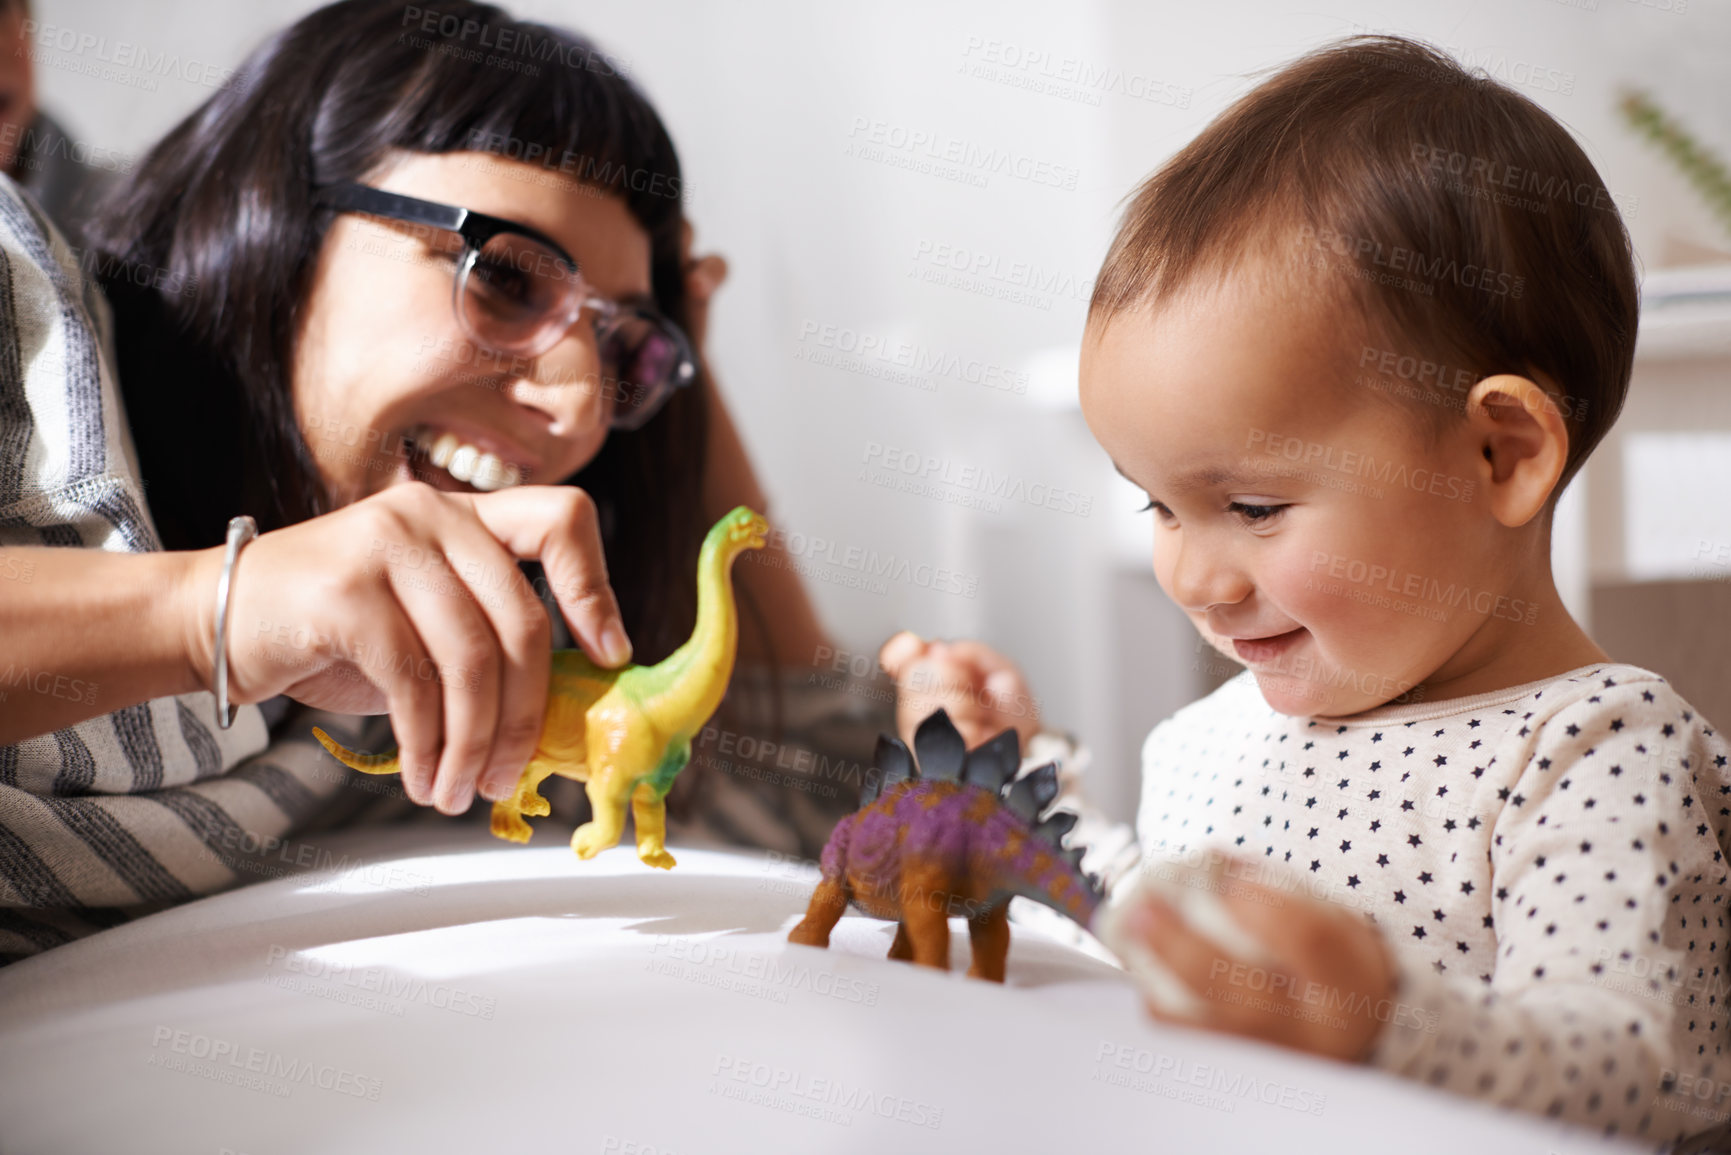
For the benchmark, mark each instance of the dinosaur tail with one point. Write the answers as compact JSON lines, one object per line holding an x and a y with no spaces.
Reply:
{"x":1036,"y":865}
{"x":365,"y":763}
{"x":1065,"y":889}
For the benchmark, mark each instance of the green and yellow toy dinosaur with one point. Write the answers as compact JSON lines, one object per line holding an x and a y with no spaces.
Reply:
{"x":625,"y":733}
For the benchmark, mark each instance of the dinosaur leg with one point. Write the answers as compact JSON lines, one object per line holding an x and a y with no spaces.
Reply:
{"x":648,"y":805}
{"x":607,"y":802}
{"x":827,"y":905}
{"x":651,"y":816}
{"x":528,"y":798}
{"x":508,"y":815}
{"x":903,"y":947}
{"x":925,"y":915}
{"x":989,"y":935}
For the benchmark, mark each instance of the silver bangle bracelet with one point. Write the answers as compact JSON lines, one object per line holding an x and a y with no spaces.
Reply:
{"x":240,"y":531}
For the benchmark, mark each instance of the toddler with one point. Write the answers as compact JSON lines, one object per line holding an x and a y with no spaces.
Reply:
{"x":1353,"y":342}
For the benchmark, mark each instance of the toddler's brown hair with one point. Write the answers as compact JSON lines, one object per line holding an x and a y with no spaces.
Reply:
{"x":1476,"y":236}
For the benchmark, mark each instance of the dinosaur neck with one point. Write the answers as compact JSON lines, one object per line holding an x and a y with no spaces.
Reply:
{"x":694,"y":677}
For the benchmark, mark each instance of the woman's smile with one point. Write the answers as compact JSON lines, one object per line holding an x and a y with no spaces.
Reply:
{"x":457,"y":460}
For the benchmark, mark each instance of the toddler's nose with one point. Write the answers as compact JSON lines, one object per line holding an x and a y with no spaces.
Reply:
{"x":1200,"y":579}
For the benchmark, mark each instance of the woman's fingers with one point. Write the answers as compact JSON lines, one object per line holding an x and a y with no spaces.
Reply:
{"x":411,"y":601}
{"x":558,"y":525}
{"x":520,"y":643}
{"x":463,"y":661}
{"x":455,"y":648}
{"x":525,"y":636}
{"x":415,"y":704}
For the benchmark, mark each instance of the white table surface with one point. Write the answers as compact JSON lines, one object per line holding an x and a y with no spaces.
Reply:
{"x":461,"y":994}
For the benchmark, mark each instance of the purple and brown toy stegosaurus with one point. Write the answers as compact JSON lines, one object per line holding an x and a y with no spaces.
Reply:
{"x":955,"y":835}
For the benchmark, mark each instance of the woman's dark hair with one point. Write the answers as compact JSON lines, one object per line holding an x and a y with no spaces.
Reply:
{"x":219,"y":226}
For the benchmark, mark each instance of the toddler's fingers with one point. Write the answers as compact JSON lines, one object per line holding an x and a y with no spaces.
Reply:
{"x":1310,"y":933}
{"x":935,"y":678}
{"x":1305,"y":973}
{"x":998,"y":695}
{"x":1231,"y":994}
{"x":901,"y":649}
{"x":987,"y":660}
{"x":1129,"y":930}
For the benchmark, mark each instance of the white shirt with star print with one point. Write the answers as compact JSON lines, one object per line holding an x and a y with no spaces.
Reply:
{"x":1546,"y":862}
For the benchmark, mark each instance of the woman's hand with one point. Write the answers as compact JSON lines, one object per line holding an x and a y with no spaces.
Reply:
{"x":982,"y":690}
{"x":1269,"y":964}
{"x":411,"y":601}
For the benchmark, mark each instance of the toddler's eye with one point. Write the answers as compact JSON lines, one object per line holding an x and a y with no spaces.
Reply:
{"x":1255,"y":512}
{"x":1157,"y":509}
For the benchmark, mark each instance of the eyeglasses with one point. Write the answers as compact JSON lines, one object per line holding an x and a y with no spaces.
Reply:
{"x":518,"y":292}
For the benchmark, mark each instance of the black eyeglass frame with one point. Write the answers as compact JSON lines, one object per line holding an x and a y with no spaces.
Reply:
{"x":476,"y":229}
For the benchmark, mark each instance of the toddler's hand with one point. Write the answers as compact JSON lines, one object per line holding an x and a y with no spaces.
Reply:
{"x":982,"y":690}
{"x":1211,"y":950}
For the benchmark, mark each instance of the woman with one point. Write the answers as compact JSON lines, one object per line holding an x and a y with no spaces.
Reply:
{"x":346,"y":305}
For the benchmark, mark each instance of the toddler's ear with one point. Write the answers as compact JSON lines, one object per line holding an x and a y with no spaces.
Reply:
{"x":1520,"y":434}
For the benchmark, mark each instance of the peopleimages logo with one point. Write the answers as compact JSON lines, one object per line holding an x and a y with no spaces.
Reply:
{"x":988,"y":274}
{"x":507,"y":43}
{"x":972,"y":162}
{"x":36,"y":147}
{"x":1116,"y":1063}
{"x":928,"y":471}
{"x":870,"y":565}
{"x":915,"y":357}
{"x":800,"y":1093}
{"x":1422,"y":587}
{"x":324,"y":977}
{"x":120,"y":54}
{"x":1429,"y":269}
{"x":1067,"y":77}
{"x":225,"y":1061}
{"x":1396,"y":474}
{"x":1508,"y":181}
{"x":47,"y":683}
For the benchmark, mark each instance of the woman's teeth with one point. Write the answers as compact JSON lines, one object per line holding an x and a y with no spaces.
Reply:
{"x":466,"y":463}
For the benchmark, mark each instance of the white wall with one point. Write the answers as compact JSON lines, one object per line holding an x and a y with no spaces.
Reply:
{"x":766,"y":101}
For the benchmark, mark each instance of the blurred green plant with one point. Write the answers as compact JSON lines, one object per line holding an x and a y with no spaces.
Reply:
{"x":1697,"y":163}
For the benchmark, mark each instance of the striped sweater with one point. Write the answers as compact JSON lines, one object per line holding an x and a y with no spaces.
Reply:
{"x":152,"y":804}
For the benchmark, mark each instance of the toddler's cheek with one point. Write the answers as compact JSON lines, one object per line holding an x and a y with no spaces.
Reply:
{"x":1347,"y":630}
{"x":1307,"y":594}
